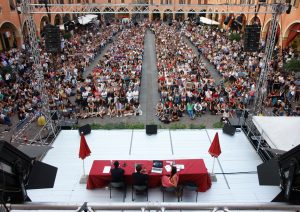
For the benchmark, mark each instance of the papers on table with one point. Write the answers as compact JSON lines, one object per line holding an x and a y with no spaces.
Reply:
{"x":178,"y":167}
{"x":106,"y":169}
{"x":168,"y":168}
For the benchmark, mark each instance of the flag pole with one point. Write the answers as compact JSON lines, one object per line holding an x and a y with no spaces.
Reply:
{"x":83,"y":167}
{"x":213,"y":167}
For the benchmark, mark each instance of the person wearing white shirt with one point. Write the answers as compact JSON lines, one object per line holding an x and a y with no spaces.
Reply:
{"x":129,"y":95}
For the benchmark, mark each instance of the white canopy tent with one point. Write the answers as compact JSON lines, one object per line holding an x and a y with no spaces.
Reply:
{"x":281,"y":132}
{"x":208,"y":21}
{"x":83,"y":20}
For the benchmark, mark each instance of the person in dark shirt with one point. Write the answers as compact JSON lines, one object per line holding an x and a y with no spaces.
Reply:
{"x":139,"y":178}
{"x":117,"y":173}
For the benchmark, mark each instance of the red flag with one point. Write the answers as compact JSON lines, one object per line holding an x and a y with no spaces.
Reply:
{"x":215,"y":149}
{"x":84,"y":150}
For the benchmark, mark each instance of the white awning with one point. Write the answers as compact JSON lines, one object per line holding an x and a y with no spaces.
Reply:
{"x":83,"y":20}
{"x":208,"y":21}
{"x":62,"y":27}
{"x":280,"y":132}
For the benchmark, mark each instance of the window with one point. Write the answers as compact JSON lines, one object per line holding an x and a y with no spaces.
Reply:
{"x":161,"y":1}
{"x":189,"y":1}
{"x":295,"y":3}
{"x":122,"y":1}
{"x":12,"y":4}
{"x":151,"y":1}
{"x":199,"y":2}
{"x":181,"y":1}
{"x":109,"y":1}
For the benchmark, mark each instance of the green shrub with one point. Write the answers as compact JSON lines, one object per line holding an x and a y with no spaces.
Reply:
{"x":218,"y":125}
{"x":201,"y":126}
{"x":234,"y":36}
{"x":177,"y":126}
{"x":292,"y":65}
{"x":67,"y":35}
{"x":120,"y":125}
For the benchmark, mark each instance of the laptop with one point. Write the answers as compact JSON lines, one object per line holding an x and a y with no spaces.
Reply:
{"x":157,"y":166}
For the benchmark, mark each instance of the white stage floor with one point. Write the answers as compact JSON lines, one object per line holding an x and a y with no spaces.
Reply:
{"x":237,"y":156}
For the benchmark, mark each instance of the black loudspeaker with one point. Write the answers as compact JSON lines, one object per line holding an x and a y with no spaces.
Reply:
{"x":228,"y":129}
{"x":151,"y":129}
{"x":54,"y":116}
{"x":19,"y":172}
{"x":227,"y":19}
{"x":86,"y":129}
{"x":252,"y":37}
{"x":288,"y":11}
{"x":52,"y":38}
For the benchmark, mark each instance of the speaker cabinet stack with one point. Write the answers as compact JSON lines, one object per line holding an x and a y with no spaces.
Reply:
{"x":52,"y":38}
{"x":252,"y":37}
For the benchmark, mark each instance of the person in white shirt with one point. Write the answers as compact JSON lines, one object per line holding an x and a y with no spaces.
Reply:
{"x":198,"y":109}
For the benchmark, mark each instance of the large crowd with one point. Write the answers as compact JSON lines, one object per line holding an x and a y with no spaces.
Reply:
{"x":240,"y":71}
{"x":113,"y":87}
{"x":185,"y":85}
{"x":62,"y":71}
{"x":181,"y":77}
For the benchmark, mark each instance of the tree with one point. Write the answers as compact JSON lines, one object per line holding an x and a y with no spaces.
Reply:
{"x":234,"y":36}
{"x":292,"y":65}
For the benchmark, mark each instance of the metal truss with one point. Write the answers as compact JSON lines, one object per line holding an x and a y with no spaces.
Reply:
{"x":261,"y":87}
{"x":149,"y":8}
{"x":27,"y":17}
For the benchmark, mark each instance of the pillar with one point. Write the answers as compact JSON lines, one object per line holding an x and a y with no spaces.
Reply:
{"x":185,"y":16}
{"x":150,"y":16}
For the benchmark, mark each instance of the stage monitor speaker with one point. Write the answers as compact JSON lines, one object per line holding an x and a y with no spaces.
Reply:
{"x":151,"y":129}
{"x":86,"y":129}
{"x":228,"y":129}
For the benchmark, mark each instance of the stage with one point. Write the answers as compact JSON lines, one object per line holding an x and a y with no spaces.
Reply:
{"x":235,"y":168}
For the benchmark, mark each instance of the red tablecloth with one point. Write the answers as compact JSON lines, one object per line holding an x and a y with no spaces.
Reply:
{"x":194,"y":171}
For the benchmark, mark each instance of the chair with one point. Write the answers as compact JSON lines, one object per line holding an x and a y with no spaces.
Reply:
{"x":118,"y":185}
{"x":139,"y":189}
{"x":190,"y":186}
{"x":177,"y":190}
